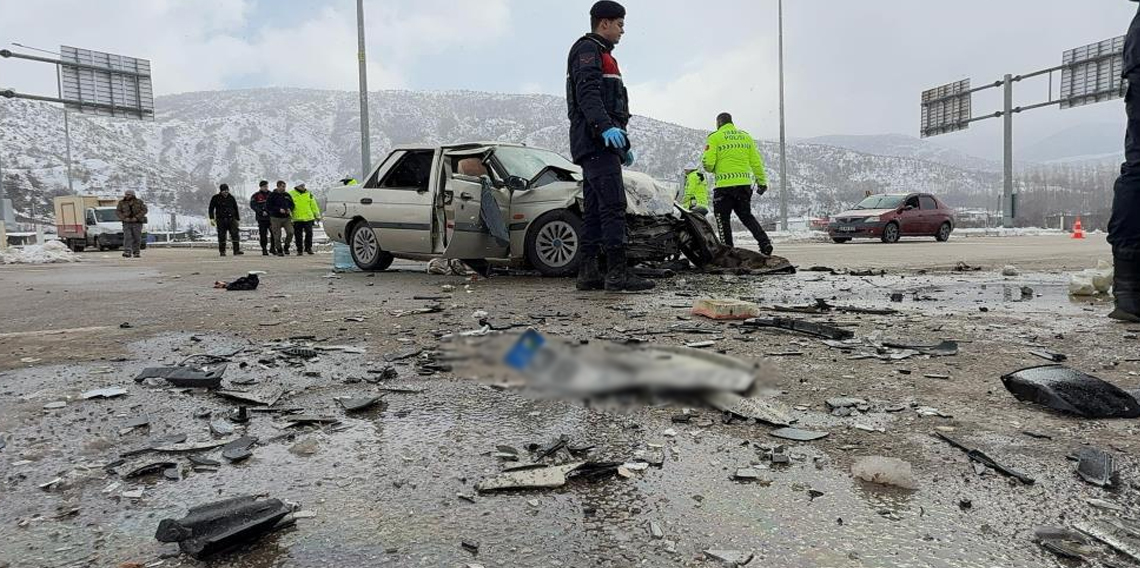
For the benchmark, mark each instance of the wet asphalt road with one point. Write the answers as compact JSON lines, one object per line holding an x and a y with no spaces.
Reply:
{"x":383,"y":485}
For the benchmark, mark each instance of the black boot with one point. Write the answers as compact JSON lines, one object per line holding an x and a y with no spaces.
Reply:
{"x":589,"y":276}
{"x":619,"y":278}
{"x":1126,"y":288}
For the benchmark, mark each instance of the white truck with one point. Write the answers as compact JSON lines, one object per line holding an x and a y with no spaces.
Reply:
{"x":83,"y":221}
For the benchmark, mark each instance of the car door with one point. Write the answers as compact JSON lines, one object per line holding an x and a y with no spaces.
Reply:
{"x":398,"y":202}
{"x":910,"y":220}
{"x":931,"y":217}
{"x":466,"y":181}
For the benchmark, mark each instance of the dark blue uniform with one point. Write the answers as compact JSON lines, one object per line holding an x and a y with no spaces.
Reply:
{"x":596,"y":101}
{"x":1124,"y":226}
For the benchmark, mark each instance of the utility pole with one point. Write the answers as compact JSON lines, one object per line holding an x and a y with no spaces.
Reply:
{"x":1007,"y":189}
{"x":365,"y":147}
{"x":783,"y":132}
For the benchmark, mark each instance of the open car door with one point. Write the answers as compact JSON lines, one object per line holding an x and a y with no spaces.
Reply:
{"x":475,"y":210}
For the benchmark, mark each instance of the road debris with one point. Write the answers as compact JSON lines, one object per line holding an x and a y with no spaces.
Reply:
{"x":802,"y":326}
{"x":757,"y":408}
{"x":981,"y":458}
{"x":264,"y":398}
{"x":1049,"y":356}
{"x":185,"y":377}
{"x":1064,"y":542}
{"x":1097,"y":467}
{"x":1123,"y":536}
{"x":358,"y":404}
{"x":1071,"y":391}
{"x":731,"y":557}
{"x":725,"y":309}
{"x":239,"y":449}
{"x":108,"y":392}
{"x":532,"y":477}
{"x":795,"y":434}
{"x":885,"y":471}
{"x":942,"y":349}
{"x":209,"y":529}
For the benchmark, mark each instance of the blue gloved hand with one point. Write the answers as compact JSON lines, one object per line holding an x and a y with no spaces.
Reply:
{"x":615,"y":138}
{"x":630,"y":158}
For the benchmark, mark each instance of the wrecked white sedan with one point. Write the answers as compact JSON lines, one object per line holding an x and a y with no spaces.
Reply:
{"x":488,"y":201}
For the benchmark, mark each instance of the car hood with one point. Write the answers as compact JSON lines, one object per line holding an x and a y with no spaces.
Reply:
{"x":862,"y":213}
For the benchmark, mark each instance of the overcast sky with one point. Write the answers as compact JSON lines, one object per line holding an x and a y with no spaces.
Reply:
{"x":853,"y":67}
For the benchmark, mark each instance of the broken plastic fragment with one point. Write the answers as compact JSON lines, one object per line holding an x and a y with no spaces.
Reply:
{"x":1097,"y":467}
{"x":109,"y":392}
{"x":1071,"y":391}
{"x":797,"y":435}
{"x":213,"y":528}
{"x":981,"y":458}
{"x":757,"y":408}
{"x":358,"y":404}
{"x":185,"y":377}
{"x":802,"y":326}
{"x":239,"y":449}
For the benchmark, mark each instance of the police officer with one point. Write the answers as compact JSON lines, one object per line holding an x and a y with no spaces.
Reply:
{"x":598,"y":107}
{"x":731,"y":156}
{"x":696,"y":191}
{"x":1124,"y":226}
{"x":224,"y":215}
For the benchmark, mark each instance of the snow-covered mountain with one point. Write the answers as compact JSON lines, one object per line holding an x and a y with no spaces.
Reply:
{"x":239,"y":137}
{"x":905,"y":146}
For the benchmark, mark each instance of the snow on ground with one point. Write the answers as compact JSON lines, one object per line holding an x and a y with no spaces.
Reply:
{"x":47,"y":253}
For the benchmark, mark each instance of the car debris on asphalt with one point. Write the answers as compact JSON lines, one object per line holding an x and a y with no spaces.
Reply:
{"x":216,"y":527}
{"x":1071,"y":391}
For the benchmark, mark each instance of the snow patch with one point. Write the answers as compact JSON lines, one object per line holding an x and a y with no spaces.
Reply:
{"x":48,"y":253}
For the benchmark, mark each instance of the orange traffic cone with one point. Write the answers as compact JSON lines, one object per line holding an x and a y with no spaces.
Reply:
{"x":1078,"y":233}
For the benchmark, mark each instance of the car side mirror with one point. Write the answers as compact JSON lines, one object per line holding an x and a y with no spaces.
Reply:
{"x":517,"y":183}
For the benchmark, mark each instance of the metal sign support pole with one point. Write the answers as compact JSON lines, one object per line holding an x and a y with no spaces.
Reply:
{"x":1007,"y":192}
{"x":783,"y":130}
{"x":365,"y":146}
{"x":67,"y":143}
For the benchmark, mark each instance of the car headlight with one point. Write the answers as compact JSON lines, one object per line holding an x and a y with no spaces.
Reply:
{"x":871,"y":220}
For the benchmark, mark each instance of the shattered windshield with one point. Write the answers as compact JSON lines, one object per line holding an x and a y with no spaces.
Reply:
{"x":106,"y":215}
{"x":527,"y":162}
{"x":881,"y":202}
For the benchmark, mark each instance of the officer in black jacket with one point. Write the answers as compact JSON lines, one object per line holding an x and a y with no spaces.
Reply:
{"x":598,"y":107}
{"x":224,"y":214}
{"x":1124,"y":226}
{"x":259,"y":202}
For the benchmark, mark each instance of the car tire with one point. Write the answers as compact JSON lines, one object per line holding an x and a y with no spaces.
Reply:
{"x":840,"y":240}
{"x":891,"y":233}
{"x":944,"y":232}
{"x":77,"y":246}
{"x":365,"y":248}
{"x":554,"y":243}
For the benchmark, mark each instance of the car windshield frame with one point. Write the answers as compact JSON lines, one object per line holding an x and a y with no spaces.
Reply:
{"x":106,"y":215}
{"x":883,"y":201}
{"x":527,"y":162}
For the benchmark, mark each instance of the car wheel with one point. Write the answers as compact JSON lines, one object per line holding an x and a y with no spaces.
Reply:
{"x":891,"y":233}
{"x":77,"y":246}
{"x":841,"y":240}
{"x":944,"y":232}
{"x":365,"y":248}
{"x":554,"y":243}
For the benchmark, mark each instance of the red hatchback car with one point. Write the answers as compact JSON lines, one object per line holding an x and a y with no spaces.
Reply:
{"x":889,"y":216}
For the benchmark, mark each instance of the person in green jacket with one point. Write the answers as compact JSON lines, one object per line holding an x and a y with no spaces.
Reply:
{"x":696,"y":190}
{"x":305,"y":215}
{"x":733,"y":159}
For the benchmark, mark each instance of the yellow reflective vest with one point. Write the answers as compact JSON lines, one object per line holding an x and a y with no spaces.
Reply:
{"x":696,"y":191}
{"x":732,"y":156}
{"x":304,"y":206}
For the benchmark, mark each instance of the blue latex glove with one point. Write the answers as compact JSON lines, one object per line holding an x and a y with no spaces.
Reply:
{"x":615,"y":138}
{"x":630,"y":158}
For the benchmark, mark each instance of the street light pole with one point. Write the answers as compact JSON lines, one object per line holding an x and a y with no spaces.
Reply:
{"x":783,"y":132}
{"x":365,"y":147}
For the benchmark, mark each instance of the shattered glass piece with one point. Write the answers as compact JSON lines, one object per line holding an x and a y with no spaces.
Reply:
{"x":758,"y":408}
{"x":797,"y":435}
{"x":530,"y":478}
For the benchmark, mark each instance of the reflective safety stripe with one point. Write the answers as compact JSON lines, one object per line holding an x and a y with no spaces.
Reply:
{"x":618,"y":77}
